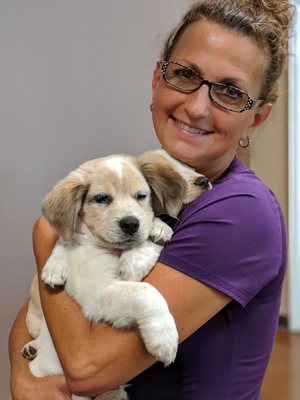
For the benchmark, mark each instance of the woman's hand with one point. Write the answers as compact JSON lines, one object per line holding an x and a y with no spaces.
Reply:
{"x":31,"y":388}
{"x":24,"y":386}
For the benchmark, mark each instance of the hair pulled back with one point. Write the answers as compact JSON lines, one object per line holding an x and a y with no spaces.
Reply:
{"x":266,"y":21}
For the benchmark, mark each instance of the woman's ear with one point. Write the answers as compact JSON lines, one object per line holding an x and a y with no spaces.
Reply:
{"x":155,"y":79}
{"x":259,"y":117}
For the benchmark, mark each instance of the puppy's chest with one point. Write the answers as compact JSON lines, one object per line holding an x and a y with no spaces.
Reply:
{"x":89,"y":267}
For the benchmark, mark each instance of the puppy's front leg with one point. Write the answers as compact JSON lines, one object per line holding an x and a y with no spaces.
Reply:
{"x":54,"y":271}
{"x":161,"y":232}
{"x":136,"y":263}
{"x":127,"y":304}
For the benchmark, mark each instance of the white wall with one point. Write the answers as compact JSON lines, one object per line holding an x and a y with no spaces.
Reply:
{"x":294,"y":179}
{"x":75,"y":84}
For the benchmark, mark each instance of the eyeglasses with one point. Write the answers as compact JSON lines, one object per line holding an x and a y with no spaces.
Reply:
{"x":224,"y":95}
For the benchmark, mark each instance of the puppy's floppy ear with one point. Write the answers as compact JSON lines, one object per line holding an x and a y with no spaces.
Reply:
{"x":62,"y":204}
{"x":167,"y":185}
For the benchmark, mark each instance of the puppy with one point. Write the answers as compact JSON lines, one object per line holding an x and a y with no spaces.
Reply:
{"x":103,"y":215}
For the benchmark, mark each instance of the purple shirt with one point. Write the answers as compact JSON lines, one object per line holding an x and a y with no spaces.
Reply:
{"x":232,"y":238}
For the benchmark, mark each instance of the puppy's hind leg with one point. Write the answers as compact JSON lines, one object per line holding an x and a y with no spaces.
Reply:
{"x":33,"y":321}
{"x":117,"y":394}
{"x":34,"y":314}
{"x":29,"y":351}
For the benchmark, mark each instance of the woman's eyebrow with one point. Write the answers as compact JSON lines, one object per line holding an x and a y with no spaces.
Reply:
{"x":239,"y":83}
{"x":232,"y":81}
{"x":194,"y":67}
{"x":228,"y":79}
{"x":188,"y":64}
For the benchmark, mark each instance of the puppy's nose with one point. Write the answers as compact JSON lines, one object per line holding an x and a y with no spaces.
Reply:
{"x":129,"y":224}
{"x":203,"y":182}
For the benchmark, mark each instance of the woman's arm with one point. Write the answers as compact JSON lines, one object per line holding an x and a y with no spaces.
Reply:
{"x":97,"y":358}
{"x":23,"y":385}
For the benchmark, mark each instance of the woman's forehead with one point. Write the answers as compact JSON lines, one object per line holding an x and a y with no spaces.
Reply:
{"x":219,"y":53}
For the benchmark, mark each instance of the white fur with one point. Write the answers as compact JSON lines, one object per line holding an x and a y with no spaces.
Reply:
{"x":100,"y":267}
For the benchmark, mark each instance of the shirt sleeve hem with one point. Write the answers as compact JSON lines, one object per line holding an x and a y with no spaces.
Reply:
{"x":208,"y":279}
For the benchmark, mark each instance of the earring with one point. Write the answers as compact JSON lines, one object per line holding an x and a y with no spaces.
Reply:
{"x":246,"y":143}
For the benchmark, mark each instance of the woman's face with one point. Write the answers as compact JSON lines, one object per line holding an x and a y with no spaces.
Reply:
{"x":190,"y":126}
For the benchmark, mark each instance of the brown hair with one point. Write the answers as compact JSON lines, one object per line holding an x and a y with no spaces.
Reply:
{"x":266,"y":21}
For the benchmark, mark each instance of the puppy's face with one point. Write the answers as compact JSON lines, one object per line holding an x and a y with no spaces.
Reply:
{"x":117,"y":206}
{"x":112,"y":198}
{"x":173,"y":183}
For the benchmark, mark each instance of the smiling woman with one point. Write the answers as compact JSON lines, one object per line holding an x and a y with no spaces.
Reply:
{"x":222,"y":272}
{"x":189,"y":127}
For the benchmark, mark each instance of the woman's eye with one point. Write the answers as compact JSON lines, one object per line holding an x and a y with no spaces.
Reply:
{"x":102,"y":198}
{"x":233,"y":92}
{"x":227,"y":93}
{"x":185,"y":74}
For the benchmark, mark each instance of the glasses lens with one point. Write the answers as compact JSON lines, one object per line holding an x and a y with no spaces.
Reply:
{"x":188,"y":80}
{"x":181,"y":77}
{"x":229,"y":96}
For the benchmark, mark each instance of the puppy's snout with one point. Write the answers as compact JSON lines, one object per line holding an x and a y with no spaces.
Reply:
{"x":203,"y":182}
{"x":129,"y":224}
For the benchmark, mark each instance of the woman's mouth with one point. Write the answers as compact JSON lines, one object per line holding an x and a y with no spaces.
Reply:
{"x":191,"y":129}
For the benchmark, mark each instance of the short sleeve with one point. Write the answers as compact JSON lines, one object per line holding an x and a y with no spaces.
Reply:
{"x":230,"y":242}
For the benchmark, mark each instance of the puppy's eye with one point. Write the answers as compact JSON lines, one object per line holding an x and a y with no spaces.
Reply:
{"x":141,"y":196}
{"x":102,"y":198}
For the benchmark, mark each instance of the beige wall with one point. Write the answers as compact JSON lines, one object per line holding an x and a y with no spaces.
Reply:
{"x":269,"y":157}
{"x":75,"y":84}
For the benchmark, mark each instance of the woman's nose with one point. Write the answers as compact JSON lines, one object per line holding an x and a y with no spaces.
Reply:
{"x":198,"y":103}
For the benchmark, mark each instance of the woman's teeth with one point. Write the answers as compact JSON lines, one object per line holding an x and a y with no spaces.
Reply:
{"x":191,"y":129}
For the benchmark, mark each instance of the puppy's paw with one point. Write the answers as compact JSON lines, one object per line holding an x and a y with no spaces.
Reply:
{"x":117,"y":394}
{"x":161,"y":232}
{"x":29,"y":351}
{"x":54,"y":274}
{"x":136,"y":263}
{"x":161,"y":338}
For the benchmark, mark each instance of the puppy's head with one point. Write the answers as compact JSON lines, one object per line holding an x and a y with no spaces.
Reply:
{"x":110,"y":195}
{"x":173,"y":183}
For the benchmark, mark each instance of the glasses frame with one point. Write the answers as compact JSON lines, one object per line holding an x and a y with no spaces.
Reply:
{"x":248,"y":106}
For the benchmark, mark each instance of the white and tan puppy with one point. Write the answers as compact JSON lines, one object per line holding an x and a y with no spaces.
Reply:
{"x":103,"y":214}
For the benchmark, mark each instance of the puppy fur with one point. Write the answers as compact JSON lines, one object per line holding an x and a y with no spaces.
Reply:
{"x":104,"y":214}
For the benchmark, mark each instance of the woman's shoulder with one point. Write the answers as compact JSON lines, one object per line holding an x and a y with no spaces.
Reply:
{"x":238,"y":192}
{"x":239,"y":181}
{"x":225,"y":229}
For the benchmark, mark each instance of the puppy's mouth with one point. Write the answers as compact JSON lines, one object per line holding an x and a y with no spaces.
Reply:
{"x":125,"y":242}
{"x":191,"y":129}
{"x":130,"y":241}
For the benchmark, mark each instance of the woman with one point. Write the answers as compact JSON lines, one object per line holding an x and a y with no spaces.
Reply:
{"x":223,"y":270}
